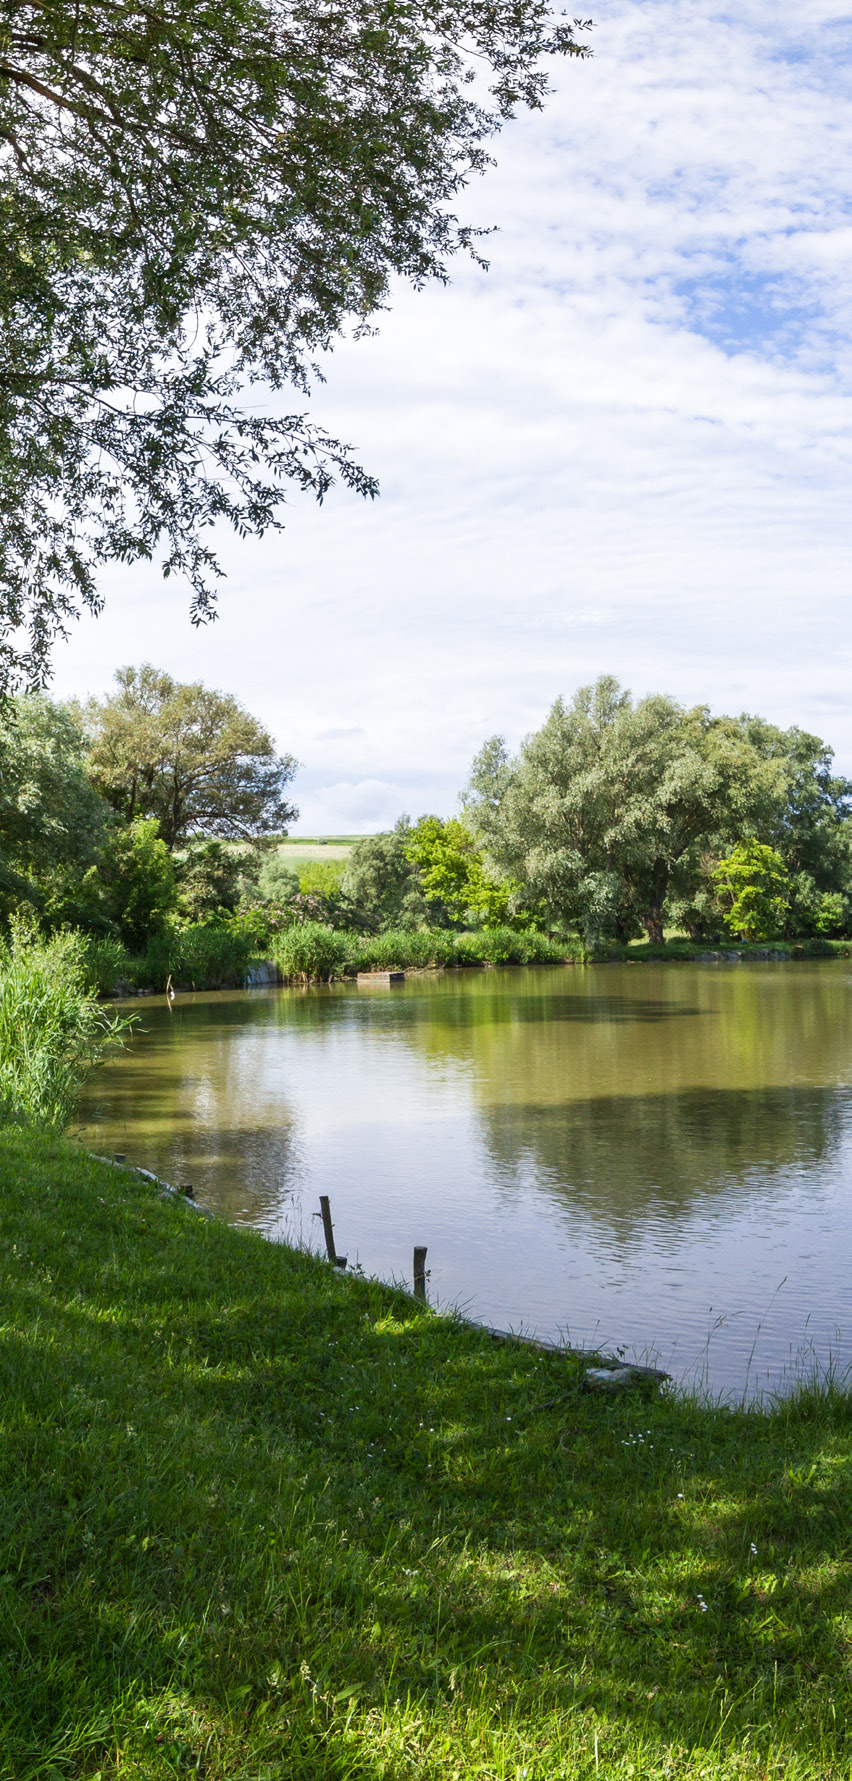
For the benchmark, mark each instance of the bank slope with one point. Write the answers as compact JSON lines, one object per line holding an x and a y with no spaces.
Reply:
{"x":262,"y":1521}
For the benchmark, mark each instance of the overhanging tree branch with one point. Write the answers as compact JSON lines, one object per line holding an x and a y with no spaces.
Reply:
{"x":269,"y":167}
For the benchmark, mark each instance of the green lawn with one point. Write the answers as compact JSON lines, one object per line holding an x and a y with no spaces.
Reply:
{"x":263,"y":1521}
{"x":337,"y":847}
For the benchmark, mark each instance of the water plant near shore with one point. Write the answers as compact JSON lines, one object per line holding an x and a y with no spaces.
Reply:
{"x":53,"y":1033}
{"x":314,"y":951}
{"x":310,"y":951}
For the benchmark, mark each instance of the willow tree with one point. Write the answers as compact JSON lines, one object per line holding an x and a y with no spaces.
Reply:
{"x":607,"y":803}
{"x":195,"y":200}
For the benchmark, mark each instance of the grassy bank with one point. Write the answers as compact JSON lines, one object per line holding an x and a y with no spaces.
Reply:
{"x":210,"y":956}
{"x":650,"y":952}
{"x":316,"y":951}
{"x":262,"y":1523}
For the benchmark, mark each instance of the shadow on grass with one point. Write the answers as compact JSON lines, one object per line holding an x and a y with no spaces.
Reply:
{"x":261,"y":1520}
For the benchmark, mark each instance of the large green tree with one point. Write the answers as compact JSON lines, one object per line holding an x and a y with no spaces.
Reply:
{"x":614,"y":811}
{"x":52,"y":821}
{"x":807,"y":822}
{"x":191,"y":757}
{"x":453,"y":876}
{"x":380,"y":878}
{"x":197,"y":198}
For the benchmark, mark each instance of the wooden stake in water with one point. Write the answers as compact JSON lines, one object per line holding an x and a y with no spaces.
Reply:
{"x":328,"y":1227}
{"x":420,"y":1273}
{"x":337,"y":1261}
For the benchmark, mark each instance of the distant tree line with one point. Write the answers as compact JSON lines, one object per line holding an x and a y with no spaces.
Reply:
{"x":114,"y":814}
{"x":620,"y":819}
{"x":151,"y":819}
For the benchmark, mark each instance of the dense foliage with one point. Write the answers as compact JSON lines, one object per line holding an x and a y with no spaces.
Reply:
{"x":614,"y":815}
{"x":752,"y":886}
{"x":150,"y":821}
{"x":194,"y":199}
{"x":379,"y":876}
{"x":53,"y":1032}
{"x":52,"y":821}
{"x":191,"y":757}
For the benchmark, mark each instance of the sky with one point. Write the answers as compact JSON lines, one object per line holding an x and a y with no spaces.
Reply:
{"x":626,"y":448}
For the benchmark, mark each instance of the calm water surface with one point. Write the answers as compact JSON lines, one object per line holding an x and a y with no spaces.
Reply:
{"x":658,"y":1158}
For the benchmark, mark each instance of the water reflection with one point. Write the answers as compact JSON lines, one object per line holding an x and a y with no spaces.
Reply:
{"x":654,"y":1156}
{"x":623,"y":1158}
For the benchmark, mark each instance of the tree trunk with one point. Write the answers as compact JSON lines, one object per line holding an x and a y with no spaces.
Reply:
{"x":653,"y":916}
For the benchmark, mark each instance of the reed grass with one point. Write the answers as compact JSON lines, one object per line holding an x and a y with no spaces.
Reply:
{"x":198,"y":955}
{"x":53,"y":1033}
{"x":107,"y":963}
{"x":263,"y":1523}
{"x":310,"y":950}
{"x":314,"y":951}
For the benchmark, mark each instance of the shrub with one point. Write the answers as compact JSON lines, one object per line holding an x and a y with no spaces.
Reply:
{"x":311,"y":950}
{"x":753,"y":885}
{"x":209,"y":878}
{"x":53,"y":1034}
{"x":106,"y":963}
{"x":202,"y":955}
{"x":832,"y":913}
{"x":135,"y":880}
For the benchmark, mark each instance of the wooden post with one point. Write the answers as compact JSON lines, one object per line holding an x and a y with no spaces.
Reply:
{"x":420,"y":1273}
{"x":328,"y":1227}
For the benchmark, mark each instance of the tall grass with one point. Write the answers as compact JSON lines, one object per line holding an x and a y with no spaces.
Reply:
{"x":107,"y":963}
{"x":201,"y":955}
{"x":310,"y":951}
{"x":315,"y":951}
{"x":415,"y":948}
{"x":53,"y":1034}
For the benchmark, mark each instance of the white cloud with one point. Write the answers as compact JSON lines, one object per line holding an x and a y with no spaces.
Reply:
{"x":627,"y":448}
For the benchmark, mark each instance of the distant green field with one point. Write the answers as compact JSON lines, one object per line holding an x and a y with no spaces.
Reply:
{"x":320,"y":847}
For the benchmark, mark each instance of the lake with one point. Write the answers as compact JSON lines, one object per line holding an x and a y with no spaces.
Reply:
{"x":654,"y":1158}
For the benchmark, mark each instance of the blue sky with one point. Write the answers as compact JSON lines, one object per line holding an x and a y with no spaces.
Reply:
{"x":626,"y":448}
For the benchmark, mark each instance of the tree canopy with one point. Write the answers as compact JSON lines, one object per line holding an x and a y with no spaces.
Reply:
{"x":379,"y":876}
{"x":453,"y":876}
{"x":52,"y":820}
{"x":188,"y":756}
{"x":196,"y":199}
{"x":614,"y":813}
